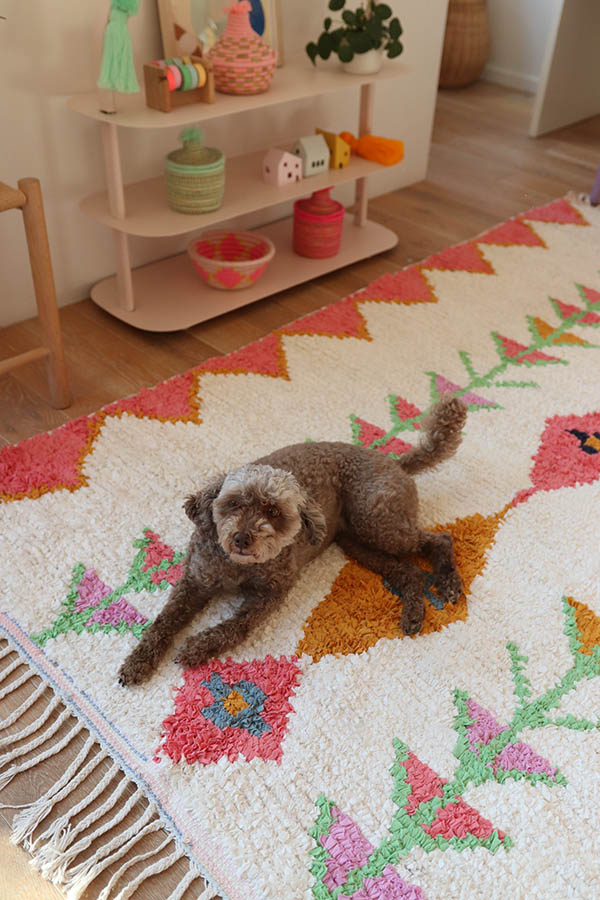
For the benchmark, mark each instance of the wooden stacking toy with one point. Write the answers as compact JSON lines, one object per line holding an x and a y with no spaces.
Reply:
{"x":171,"y":83}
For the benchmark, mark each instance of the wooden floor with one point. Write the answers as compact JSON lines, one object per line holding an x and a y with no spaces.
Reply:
{"x":483,"y":169}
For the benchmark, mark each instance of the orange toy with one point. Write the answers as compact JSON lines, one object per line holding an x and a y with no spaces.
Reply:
{"x":386,"y":151}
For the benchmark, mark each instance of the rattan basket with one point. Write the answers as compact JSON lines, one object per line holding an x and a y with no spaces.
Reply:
{"x":466,"y":44}
{"x":195,"y":175}
{"x":230,"y":260}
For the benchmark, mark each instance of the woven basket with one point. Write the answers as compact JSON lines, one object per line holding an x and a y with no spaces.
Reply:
{"x":318,"y":225}
{"x":242,"y":62}
{"x":230,"y":260}
{"x":466,"y":44}
{"x":195,"y":175}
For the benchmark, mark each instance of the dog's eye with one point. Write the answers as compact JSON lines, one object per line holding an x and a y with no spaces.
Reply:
{"x":272,"y":511}
{"x":233,"y":504}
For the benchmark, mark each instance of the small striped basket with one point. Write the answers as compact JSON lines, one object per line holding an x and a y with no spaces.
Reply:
{"x":230,"y":260}
{"x":195,"y":175}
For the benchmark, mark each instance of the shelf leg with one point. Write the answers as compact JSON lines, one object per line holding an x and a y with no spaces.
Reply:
{"x":365,"y":124}
{"x":116,"y":202}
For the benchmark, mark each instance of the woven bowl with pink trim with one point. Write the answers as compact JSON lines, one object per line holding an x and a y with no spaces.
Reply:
{"x":230,"y":260}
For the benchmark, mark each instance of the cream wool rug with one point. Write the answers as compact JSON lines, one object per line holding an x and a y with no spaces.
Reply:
{"x":329,"y":756}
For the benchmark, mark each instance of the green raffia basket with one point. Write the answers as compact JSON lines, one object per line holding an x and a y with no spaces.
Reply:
{"x":195,"y":175}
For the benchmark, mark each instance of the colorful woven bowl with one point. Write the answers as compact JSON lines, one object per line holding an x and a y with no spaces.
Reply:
{"x":230,"y":260}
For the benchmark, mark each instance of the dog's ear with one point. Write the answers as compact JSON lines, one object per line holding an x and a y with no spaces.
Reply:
{"x":198,"y":507}
{"x":313,"y":520}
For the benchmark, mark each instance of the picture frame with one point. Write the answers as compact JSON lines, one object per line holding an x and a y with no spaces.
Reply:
{"x":191,"y":27}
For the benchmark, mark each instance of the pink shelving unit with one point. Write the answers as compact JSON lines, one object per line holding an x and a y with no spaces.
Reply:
{"x":137,"y":295}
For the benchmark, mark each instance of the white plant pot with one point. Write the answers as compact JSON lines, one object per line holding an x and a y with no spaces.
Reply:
{"x":365,"y":63}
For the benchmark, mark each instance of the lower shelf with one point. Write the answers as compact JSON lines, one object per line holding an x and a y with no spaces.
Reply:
{"x":171,"y":296}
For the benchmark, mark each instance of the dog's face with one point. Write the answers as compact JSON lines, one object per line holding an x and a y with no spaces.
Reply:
{"x":257,"y":513}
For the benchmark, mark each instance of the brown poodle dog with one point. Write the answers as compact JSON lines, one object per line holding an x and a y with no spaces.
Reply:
{"x":259,"y":525}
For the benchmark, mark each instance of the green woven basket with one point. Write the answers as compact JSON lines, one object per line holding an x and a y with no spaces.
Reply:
{"x":195,"y":175}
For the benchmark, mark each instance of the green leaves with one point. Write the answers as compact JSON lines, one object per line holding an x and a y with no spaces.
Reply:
{"x":382,"y":11}
{"x":358,"y":31}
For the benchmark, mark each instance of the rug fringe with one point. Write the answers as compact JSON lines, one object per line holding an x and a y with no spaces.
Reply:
{"x":85,"y":873}
{"x":159,"y":866}
{"x":17,"y":683}
{"x":25,"y":705}
{"x":35,"y":725}
{"x":7,"y":776}
{"x":37,"y":741}
{"x":56,"y":851}
{"x":25,"y":823}
{"x":66,"y":851}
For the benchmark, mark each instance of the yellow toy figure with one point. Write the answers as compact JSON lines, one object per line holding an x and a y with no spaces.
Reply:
{"x":386,"y":151}
{"x":339,"y":149}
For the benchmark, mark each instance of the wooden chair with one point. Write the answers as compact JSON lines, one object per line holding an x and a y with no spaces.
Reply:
{"x":28,"y":198}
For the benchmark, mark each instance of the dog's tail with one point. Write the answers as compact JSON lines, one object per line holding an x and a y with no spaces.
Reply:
{"x":440,"y":436}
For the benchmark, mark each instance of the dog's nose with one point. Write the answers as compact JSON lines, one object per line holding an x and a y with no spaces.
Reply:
{"x":241,"y":540}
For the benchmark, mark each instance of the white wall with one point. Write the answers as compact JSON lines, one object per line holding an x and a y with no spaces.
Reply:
{"x":50,"y":50}
{"x":520,"y":30}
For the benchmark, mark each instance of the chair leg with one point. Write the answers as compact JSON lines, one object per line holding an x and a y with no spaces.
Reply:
{"x":45,"y":293}
{"x":595,"y":194}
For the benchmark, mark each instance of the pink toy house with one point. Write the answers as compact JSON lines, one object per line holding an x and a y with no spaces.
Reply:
{"x":281,"y":167}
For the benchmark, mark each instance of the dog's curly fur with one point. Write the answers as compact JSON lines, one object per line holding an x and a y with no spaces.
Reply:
{"x":256,"y":527}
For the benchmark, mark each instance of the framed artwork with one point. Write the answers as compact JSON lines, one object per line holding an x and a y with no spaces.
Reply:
{"x":194,"y":26}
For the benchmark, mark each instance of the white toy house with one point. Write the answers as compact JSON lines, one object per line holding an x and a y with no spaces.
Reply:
{"x":314,"y":153}
{"x":281,"y":167}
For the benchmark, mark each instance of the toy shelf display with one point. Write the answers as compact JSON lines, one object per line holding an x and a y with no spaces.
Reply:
{"x":141,"y":208}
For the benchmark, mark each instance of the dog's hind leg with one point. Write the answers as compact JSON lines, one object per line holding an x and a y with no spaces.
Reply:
{"x":184,"y":602}
{"x":439,"y":549}
{"x":407,"y":578}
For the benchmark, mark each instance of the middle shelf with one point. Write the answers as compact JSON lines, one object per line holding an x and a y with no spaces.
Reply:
{"x":147,"y":213}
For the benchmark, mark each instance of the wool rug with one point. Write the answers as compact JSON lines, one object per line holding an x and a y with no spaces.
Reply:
{"x":329,"y":756}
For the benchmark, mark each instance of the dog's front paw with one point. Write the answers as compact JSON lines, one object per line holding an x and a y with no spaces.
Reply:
{"x":449,"y":586}
{"x":196,"y":651}
{"x":413,"y":613}
{"x":136,"y":669}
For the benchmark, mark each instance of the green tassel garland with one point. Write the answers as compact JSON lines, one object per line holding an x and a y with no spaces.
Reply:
{"x":117,"y":72}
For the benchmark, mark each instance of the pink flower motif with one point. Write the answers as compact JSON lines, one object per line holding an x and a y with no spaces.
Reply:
{"x":172,"y":574}
{"x":517,"y":757}
{"x":458,"y":819}
{"x":118,"y":612}
{"x":90,"y":590}
{"x":155,"y":552}
{"x":347,"y":849}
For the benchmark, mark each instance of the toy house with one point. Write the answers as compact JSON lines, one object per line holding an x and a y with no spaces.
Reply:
{"x":281,"y":167}
{"x":338,"y":148}
{"x":314,"y":153}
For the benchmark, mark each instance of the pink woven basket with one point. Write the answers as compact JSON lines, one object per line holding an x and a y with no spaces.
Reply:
{"x":243,"y":63}
{"x":318,"y":225}
{"x":230,"y":260}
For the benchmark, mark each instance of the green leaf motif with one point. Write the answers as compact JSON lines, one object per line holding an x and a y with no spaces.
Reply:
{"x":336,"y":4}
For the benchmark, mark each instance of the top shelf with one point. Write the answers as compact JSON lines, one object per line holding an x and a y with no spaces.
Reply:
{"x":295,"y":80}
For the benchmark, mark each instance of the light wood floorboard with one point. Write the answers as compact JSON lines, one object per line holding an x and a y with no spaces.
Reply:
{"x":483,"y":169}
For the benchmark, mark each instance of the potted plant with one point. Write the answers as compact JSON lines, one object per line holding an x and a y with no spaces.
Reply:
{"x":360,"y":38}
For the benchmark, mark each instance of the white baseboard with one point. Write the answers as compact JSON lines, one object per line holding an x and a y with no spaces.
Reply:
{"x":511,"y":78}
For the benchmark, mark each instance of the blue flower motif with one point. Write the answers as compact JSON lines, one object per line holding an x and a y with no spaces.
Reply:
{"x":236,"y":706}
